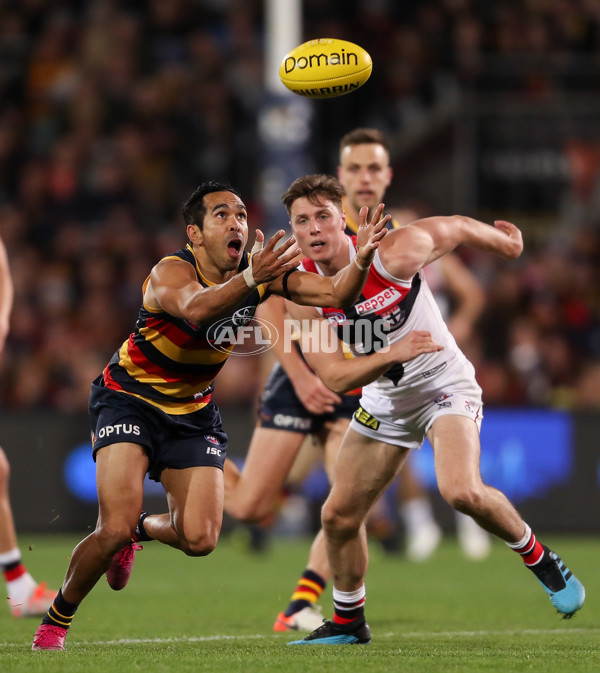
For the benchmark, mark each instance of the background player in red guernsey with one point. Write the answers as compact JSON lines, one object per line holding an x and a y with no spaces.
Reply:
{"x":151,"y":409}
{"x":434,"y":395}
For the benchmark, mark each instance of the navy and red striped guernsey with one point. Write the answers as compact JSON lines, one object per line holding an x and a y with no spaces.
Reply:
{"x":169,"y":362}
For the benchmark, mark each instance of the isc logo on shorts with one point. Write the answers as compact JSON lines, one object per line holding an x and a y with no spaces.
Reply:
{"x":364,"y":418}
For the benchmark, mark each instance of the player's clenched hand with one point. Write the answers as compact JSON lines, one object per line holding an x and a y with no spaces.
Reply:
{"x":414,"y":343}
{"x":269,"y":263}
{"x":370,"y":233}
{"x":514,"y":244}
{"x":315,"y":395}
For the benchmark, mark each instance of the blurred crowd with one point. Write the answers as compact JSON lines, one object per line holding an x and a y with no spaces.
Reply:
{"x":111,"y":112}
{"x":537,"y":342}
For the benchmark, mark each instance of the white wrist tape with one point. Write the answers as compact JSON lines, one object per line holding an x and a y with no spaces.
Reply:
{"x":247,"y":273}
{"x":248,"y":277}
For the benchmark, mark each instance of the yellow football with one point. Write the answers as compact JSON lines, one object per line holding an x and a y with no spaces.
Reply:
{"x":325,"y":68}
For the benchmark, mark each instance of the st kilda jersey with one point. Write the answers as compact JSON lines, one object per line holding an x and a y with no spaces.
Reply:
{"x":172,"y":363}
{"x":387,"y":310}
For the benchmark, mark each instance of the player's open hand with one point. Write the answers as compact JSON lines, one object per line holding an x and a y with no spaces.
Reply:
{"x":269,"y":263}
{"x":414,"y":343}
{"x":514,"y":243}
{"x":369,"y":234}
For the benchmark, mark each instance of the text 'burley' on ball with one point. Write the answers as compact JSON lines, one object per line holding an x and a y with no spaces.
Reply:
{"x":325,"y":68}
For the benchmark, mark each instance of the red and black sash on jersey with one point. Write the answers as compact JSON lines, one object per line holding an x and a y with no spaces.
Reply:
{"x":383,"y":301}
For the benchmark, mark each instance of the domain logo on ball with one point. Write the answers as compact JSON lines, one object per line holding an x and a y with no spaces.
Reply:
{"x":325,"y":68}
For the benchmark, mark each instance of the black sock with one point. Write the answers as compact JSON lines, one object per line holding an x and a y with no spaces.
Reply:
{"x":140,"y":534}
{"x":61,"y":612}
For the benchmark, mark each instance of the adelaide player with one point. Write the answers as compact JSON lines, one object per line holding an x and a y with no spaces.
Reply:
{"x":151,"y":409}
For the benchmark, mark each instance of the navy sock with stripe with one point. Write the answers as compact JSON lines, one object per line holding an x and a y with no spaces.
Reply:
{"x":140,"y":534}
{"x":61,"y":612}
{"x":307,"y":593}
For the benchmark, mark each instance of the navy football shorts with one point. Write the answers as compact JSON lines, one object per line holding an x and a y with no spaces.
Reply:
{"x":175,"y":441}
{"x":281,"y":409}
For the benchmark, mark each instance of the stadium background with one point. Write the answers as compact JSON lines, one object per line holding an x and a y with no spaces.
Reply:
{"x":112,"y":112}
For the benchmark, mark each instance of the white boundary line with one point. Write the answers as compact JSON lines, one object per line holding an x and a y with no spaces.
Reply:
{"x":408,"y":634}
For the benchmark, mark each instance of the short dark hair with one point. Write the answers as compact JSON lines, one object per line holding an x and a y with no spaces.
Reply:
{"x":364,"y":136}
{"x":314,"y":188}
{"x":194,"y":209}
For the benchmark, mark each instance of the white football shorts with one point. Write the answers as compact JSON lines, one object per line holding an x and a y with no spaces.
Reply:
{"x":405,"y":420}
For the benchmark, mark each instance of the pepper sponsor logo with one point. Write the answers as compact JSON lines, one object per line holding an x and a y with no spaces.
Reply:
{"x":379,"y":301}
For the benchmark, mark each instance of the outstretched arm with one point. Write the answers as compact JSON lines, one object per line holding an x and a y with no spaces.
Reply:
{"x":311,"y":391}
{"x":408,"y":249}
{"x":342,"y":289}
{"x":324,"y":353}
{"x":173,"y":286}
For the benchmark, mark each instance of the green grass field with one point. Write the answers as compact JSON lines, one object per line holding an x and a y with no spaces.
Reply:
{"x":216,"y":614}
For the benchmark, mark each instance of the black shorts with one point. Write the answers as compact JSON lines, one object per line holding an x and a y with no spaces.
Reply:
{"x":175,"y":441}
{"x":281,"y":409}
